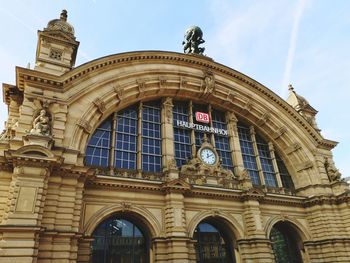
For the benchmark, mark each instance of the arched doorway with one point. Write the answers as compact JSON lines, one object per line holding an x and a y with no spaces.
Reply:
{"x":285,"y":244}
{"x":213,"y":244}
{"x":120,"y":240}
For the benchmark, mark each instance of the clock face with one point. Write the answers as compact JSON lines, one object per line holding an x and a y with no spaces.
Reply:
{"x":208,"y":156}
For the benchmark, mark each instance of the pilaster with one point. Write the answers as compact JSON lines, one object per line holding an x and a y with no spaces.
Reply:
{"x":255,"y":247}
{"x":168,"y":158}
{"x":176,"y":245}
{"x":22,"y":221}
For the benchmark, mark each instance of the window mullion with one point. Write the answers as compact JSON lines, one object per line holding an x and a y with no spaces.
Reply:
{"x":274,"y":164}
{"x":139,"y":141}
{"x":212,"y":136}
{"x":113,"y":139}
{"x":193,"y":138}
{"x":256,"y":153}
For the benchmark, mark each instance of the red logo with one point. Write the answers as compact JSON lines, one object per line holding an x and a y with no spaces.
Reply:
{"x":202,"y":117}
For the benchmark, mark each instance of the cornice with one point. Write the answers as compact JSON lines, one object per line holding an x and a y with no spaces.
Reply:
{"x":193,"y":190}
{"x":327,"y":199}
{"x":62,"y":83}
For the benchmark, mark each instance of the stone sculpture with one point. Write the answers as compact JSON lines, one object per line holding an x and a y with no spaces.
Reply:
{"x":193,"y":38}
{"x":41,"y":124}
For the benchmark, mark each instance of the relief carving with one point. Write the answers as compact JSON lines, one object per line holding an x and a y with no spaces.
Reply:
{"x":118,"y":92}
{"x":125,"y":206}
{"x":208,"y":85}
{"x":84,"y":125}
{"x":263,"y":119}
{"x":100,"y":104}
{"x":282,"y":130}
{"x":292,"y":148}
{"x":9,"y":132}
{"x":230,"y":96}
{"x":141,"y":85}
{"x":231,"y":117}
{"x":247,"y":107}
{"x":196,"y":172}
{"x":333,"y":173}
{"x":162,"y":82}
{"x":168,"y":108}
{"x":304,"y":165}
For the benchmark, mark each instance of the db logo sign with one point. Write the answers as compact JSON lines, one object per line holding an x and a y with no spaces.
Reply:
{"x":202,"y":117}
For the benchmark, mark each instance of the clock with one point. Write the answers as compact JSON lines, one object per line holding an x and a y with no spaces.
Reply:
{"x":208,"y":156}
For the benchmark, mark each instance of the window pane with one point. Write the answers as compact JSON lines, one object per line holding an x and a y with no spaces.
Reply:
{"x":248,"y":155}
{"x":222,"y":142}
{"x":126,"y":139}
{"x":266,"y":162}
{"x":182,"y":136}
{"x":285,"y":176}
{"x":151,"y":137}
{"x":97,"y":151}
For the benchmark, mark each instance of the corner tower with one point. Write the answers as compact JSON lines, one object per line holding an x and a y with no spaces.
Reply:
{"x":57,"y":47}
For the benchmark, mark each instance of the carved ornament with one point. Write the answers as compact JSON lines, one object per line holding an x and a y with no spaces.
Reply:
{"x":84,"y":125}
{"x":333,"y":173}
{"x":282,"y":130}
{"x":100,"y":104}
{"x":263,"y":119}
{"x":208,"y":85}
{"x":292,"y":148}
{"x":304,"y":165}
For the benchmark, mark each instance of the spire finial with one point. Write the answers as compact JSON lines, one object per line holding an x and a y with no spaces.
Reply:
{"x":64,"y":15}
{"x":290,"y":87}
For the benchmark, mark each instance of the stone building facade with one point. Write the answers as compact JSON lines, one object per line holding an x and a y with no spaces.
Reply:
{"x":159,"y":156}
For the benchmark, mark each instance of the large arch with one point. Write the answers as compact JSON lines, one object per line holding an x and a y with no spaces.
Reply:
{"x":96,"y":89}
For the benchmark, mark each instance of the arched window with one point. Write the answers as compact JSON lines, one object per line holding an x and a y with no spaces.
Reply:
{"x":212,"y":245}
{"x":284,"y":244}
{"x":135,"y":130}
{"x":119,"y":240}
{"x":131,"y":139}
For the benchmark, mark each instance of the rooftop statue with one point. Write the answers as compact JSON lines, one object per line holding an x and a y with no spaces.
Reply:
{"x":193,"y":38}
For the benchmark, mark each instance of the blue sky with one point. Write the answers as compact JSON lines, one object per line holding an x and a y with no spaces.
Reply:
{"x":303,"y":42}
